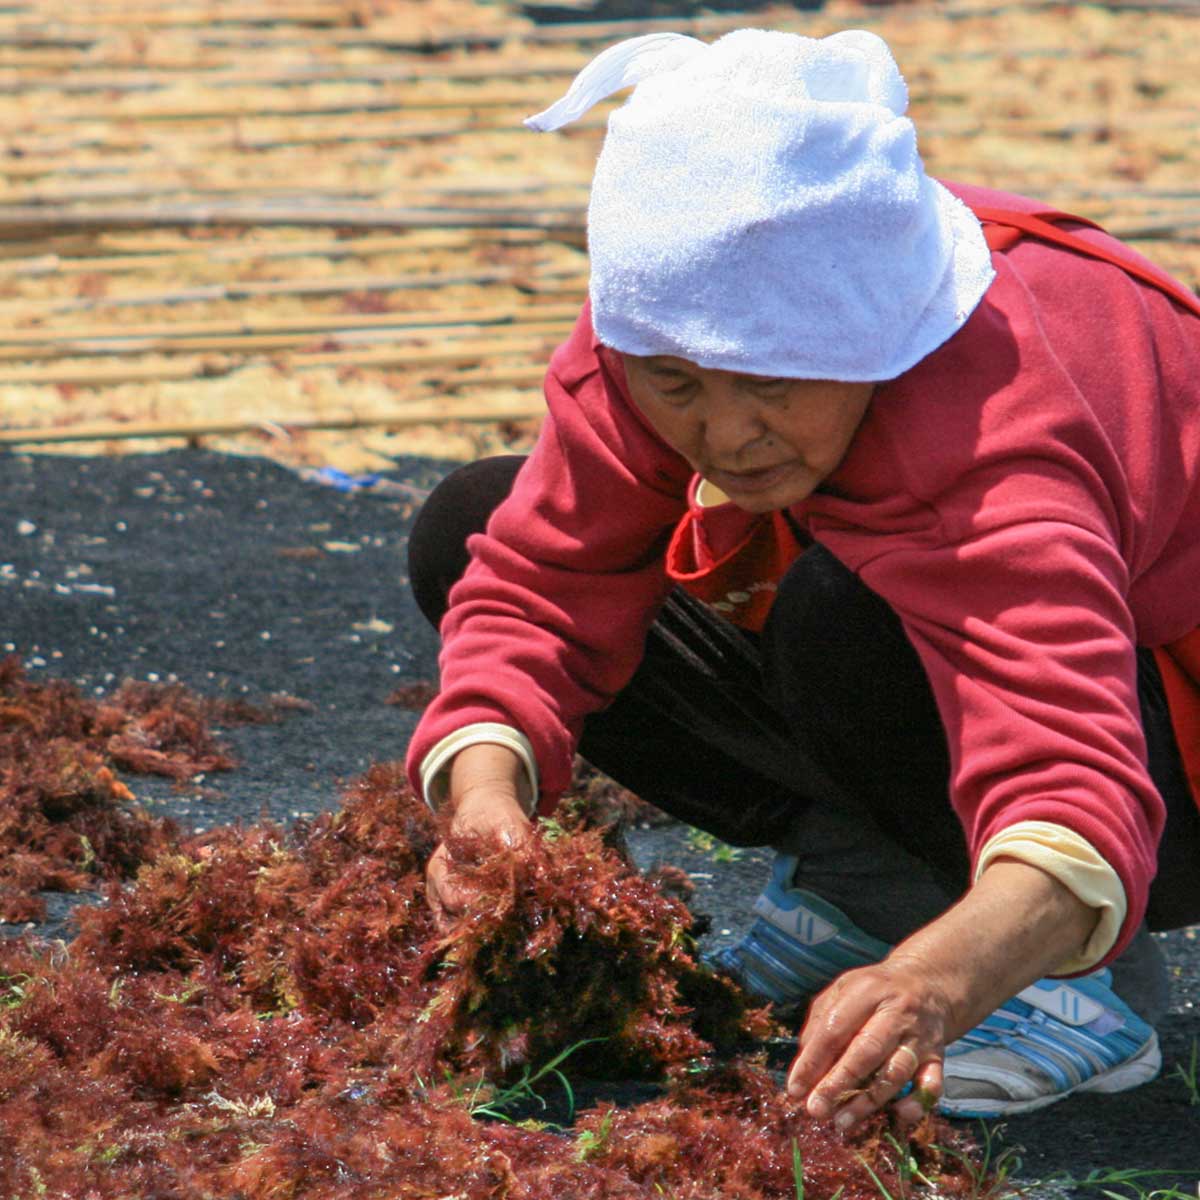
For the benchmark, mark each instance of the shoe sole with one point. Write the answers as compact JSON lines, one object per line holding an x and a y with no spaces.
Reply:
{"x":1141,"y":1068}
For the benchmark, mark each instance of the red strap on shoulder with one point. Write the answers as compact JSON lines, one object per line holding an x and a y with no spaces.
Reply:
{"x":1003,"y":227}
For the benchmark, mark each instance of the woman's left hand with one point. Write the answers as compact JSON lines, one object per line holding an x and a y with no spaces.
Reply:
{"x":869,"y":1034}
{"x":877,"y":1028}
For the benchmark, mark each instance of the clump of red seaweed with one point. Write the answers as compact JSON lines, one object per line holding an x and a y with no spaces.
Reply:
{"x":569,"y":944}
{"x":66,"y":820}
{"x":414,"y":696}
{"x":268,"y":1013}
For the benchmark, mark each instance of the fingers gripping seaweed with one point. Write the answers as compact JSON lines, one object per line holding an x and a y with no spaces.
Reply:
{"x":568,"y":943}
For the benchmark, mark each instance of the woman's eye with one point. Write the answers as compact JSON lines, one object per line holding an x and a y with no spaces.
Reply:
{"x":770,"y":388}
{"x":675,"y":389}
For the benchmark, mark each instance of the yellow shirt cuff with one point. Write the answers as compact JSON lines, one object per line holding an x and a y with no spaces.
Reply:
{"x":435,"y":768}
{"x":1079,"y":867}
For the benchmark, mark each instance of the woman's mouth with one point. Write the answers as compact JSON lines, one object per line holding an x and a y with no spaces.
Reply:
{"x":748,"y":482}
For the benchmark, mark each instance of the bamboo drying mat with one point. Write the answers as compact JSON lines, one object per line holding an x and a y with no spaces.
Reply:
{"x":316,"y":228}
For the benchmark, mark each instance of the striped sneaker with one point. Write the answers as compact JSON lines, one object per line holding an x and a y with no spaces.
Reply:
{"x":1057,"y":1037}
{"x":798,"y":944}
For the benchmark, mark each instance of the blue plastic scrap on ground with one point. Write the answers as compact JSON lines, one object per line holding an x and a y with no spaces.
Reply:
{"x":376,"y":484}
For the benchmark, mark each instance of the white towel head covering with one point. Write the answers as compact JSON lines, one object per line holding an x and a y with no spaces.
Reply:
{"x":760,"y":206}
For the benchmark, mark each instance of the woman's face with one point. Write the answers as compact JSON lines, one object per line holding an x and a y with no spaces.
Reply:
{"x":766,"y":443}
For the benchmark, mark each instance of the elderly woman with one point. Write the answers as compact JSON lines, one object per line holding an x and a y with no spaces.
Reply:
{"x":864,"y":524}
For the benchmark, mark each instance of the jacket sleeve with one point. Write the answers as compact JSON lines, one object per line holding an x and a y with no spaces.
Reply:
{"x":1021,"y":622}
{"x":549,"y":621}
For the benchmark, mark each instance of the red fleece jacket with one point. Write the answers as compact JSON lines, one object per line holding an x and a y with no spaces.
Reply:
{"x":1027,"y":498}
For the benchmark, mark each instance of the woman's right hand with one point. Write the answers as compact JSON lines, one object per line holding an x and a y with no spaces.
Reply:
{"x":488,"y":796}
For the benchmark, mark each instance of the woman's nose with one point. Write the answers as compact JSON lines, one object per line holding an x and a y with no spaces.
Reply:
{"x":730,"y":428}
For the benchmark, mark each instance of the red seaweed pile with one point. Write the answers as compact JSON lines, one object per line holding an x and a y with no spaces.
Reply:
{"x":266,"y":1013}
{"x":66,"y":820}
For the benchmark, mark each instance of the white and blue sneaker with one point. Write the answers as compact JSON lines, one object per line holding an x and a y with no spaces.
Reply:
{"x":798,"y":944}
{"x":1057,"y":1037}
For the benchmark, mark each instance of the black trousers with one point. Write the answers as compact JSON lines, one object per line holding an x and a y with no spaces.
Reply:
{"x":829,"y":708}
